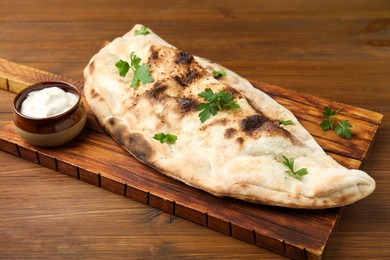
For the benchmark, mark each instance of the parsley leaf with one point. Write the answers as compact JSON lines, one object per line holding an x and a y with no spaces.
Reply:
{"x":216,"y":102}
{"x":219,"y":73}
{"x":328,"y":112}
{"x":165,"y":138}
{"x":327,"y":124}
{"x":142,"y":31}
{"x":342,"y":128}
{"x":141,"y":72}
{"x":286,"y":122}
{"x":301,"y":172}
{"x":207,"y":111}
{"x":289,"y":163}
{"x":123,"y":67}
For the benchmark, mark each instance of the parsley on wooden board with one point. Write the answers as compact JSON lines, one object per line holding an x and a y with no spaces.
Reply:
{"x":141,"y":31}
{"x":215,"y":102}
{"x":343,"y":128}
{"x":289,"y":163}
{"x":141,"y":71}
{"x":165,"y":138}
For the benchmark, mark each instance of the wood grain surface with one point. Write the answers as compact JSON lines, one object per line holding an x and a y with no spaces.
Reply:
{"x":336,"y":50}
{"x":94,"y":157}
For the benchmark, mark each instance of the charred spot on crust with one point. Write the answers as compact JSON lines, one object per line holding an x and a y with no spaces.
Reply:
{"x":187,"y":78}
{"x":187,"y":104}
{"x":139,"y":146}
{"x":240,"y":140}
{"x":95,"y":95}
{"x":174,"y":64}
{"x":272,"y":127}
{"x":157,"y":89}
{"x":231,"y":91}
{"x":230,"y":132}
{"x":135,"y":143}
{"x":112,"y":121}
{"x":221,"y":121}
{"x":154,"y":55}
{"x":243,"y":186}
{"x":183,"y":57}
{"x":251,"y":123}
{"x":118,"y":132}
{"x":257,"y":125}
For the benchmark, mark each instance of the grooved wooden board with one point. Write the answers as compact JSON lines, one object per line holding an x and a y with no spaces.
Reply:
{"x":95,"y":158}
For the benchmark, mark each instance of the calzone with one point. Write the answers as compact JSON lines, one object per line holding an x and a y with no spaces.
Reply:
{"x":239,"y":152}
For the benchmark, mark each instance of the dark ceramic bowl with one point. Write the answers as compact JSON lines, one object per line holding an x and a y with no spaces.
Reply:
{"x":50,"y":131}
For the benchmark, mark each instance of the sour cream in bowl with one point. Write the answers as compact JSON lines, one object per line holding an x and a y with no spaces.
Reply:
{"x":47,"y":102}
{"x":49,"y":113}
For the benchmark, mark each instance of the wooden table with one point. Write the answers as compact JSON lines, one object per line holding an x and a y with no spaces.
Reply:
{"x":335,"y":50}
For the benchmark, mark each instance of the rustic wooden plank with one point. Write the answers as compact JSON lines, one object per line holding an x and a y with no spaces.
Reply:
{"x":97,"y":153}
{"x":239,"y":232}
{"x":362,"y":128}
{"x":308,"y":110}
{"x":163,"y":204}
{"x":295,"y":253}
{"x":221,"y":208}
{"x":68,"y":169}
{"x":242,"y":233}
{"x":28,"y":154}
{"x":137,"y":194}
{"x":9,"y":147}
{"x":158,"y":205}
{"x":47,"y":161}
{"x":16,"y":86}
{"x":19,"y":76}
{"x":101,"y":161}
{"x":345,"y":161}
{"x":113,"y":185}
{"x":3,"y":83}
{"x":89,"y":177}
{"x":191,"y":214}
{"x":219,"y":225}
{"x":271,"y":243}
{"x":358,"y":113}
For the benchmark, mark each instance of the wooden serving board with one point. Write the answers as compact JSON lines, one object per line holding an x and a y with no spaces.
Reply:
{"x":95,"y":158}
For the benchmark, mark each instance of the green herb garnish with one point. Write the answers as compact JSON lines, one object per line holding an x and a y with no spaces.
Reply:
{"x":123,"y":67}
{"x":286,"y":122}
{"x":141,"y":71}
{"x":343,"y":128}
{"x":289,"y":163}
{"x":165,"y":138}
{"x":142,"y":31}
{"x":219,"y":73}
{"x":216,"y":102}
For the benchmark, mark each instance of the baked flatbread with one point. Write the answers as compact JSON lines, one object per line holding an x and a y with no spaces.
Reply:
{"x":237,"y":153}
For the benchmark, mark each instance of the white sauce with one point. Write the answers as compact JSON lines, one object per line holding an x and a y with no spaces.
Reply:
{"x":47,"y":102}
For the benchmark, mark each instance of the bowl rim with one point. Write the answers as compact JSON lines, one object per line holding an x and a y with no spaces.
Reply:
{"x":39,"y":86}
